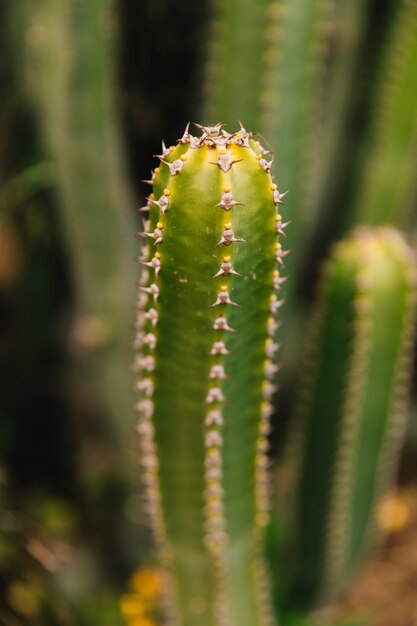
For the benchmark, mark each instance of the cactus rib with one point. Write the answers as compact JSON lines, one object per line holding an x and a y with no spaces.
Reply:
{"x":206,"y":367}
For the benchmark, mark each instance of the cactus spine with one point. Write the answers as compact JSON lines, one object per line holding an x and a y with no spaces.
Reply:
{"x":206,"y":323}
{"x":352,"y":408}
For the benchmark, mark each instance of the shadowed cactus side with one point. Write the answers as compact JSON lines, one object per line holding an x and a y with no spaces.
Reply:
{"x":352,"y":405}
{"x":70,"y":72}
{"x":209,"y":295}
{"x":387,"y":187}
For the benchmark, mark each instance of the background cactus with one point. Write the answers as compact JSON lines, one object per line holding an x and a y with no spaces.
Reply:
{"x":352,"y":406}
{"x":387,"y":186}
{"x":66,"y":48}
{"x":206,"y":368}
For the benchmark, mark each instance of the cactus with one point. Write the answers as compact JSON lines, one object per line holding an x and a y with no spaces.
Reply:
{"x":346,"y":28}
{"x":206,"y":323}
{"x":69,"y":67}
{"x":236,"y":59}
{"x":387,"y":185}
{"x":351,"y":409}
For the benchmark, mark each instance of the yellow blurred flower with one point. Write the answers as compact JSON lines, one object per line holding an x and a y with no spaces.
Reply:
{"x":146,"y":582}
{"x":142,"y":621}
{"x":132,"y":606}
{"x":22,"y":599}
{"x":393,"y":513}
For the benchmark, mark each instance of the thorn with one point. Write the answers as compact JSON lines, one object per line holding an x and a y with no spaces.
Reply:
{"x":150,"y":340}
{"x":280,"y":254}
{"x":225,"y":162}
{"x":241,"y":138}
{"x":214,"y":417}
{"x":277,"y":196}
{"x":266,"y":165}
{"x":227,"y":201}
{"x":272,"y":326}
{"x":220,"y":323}
{"x":146,"y":385}
{"x":163,"y":202}
{"x":223,"y":298}
{"x":145,"y":407}
{"x":195,"y":142}
{"x":152,"y":315}
{"x":226,"y":268}
{"x":165,"y":152}
{"x":154,"y":263}
{"x":270,"y":368}
{"x":153,"y":290}
{"x":186,"y":135}
{"x":228,"y":236}
{"x":145,"y":427}
{"x":213,"y":439}
{"x":277,"y":281}
{"x":266,"y":410}
{"x":275,"y":304}
{"x":215,"y":394}
{"x":146,"y":362}
{"x":175,"y":167}
{"x":210,"y":131}
{"x":219,"y":348}
{"x":268,"y":390}
{"x":270,"y":348}
{"x":217,"y":372}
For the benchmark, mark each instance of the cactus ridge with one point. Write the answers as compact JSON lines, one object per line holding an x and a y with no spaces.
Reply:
{"x":357,"y":372}
{"x":214,"y":190}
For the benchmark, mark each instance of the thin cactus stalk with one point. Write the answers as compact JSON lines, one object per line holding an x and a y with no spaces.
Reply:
{"x":208,"y":301}
{"x":294,"y":67}
{"x":69,"y":67}
{"x":387,"y":185}
{"x":346,"y":26}
{"x":352,"y":405}
{"x":236,"y":59}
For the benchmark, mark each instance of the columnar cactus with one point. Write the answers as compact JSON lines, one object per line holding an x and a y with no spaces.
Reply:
{"x":352,"y":405}
{"x":387,"y":185}
{"x":208,"y":300}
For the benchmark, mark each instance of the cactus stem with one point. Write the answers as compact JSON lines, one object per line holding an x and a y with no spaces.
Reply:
{"x":228,"y":556}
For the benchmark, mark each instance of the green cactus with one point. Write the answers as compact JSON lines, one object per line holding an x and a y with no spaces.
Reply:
{"x":352,"y":405}
{"x":66,"y":50}
{"x":387,"y":185}
{"x":238,"y":44}
{"x":206,"y":326}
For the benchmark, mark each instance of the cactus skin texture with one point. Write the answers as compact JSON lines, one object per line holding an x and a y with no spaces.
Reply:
{"x":351,"y":415}
{"x":208,"y":300}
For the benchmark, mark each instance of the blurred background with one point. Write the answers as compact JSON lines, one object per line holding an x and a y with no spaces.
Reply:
{"x":89,"y":89}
